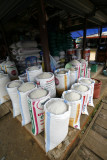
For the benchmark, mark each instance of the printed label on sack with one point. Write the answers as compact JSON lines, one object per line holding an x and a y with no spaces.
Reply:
{"x":31,"y":116}
{"x":49,"y":85}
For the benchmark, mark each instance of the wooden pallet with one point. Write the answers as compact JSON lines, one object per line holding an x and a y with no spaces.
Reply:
{"x":94,"y":143}
{"x":4,"y":110}
{"x":63,"y":150}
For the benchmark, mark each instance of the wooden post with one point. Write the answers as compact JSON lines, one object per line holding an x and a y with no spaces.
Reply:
{"x":44,"y":34}
{"x":84,"y":36}
{"x":100,"y":33}
{"x":4,"y":37}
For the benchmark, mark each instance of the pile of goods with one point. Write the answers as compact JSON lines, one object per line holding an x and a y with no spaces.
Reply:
{"x":35,"y":97}
{"x":25,"y":53}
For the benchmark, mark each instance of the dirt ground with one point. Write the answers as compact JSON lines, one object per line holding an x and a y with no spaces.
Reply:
{"x":16,"y":143}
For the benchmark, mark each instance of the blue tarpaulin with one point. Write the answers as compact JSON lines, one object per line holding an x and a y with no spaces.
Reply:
{"x":79,"y":33}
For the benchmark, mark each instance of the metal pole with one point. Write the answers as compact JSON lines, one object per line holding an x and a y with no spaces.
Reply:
{"x":84,"y":36}
{"x":44,"y":34}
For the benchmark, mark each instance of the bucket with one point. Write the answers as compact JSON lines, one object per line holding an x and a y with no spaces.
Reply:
{"x":86,"y":54}
{"x":97,"y":89}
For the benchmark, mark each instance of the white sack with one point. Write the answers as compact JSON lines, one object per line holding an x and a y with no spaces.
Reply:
{"x":47,"y":81}
{"x":85,"y":94}
{"x":36,"y":109}
{"x":74,"y":100}
{"x":3,"y":92}
{"x":32,"y":73}
{"x":62,"y":81}
{"x":12,"y":91}
{"x":90,"y":83}
{"x":56,"y":126}
{"x":23,"y":101}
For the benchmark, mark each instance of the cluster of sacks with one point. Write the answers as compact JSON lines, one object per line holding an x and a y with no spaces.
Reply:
{"x":9,"y":67}
{"x":37,"y":104}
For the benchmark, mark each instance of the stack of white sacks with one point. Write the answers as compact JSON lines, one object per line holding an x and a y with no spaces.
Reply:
{"x":37,"y":97}
{"x":23,"y":49}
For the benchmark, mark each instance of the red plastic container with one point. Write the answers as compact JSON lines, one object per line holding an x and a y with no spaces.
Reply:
{"x":97,"y":89}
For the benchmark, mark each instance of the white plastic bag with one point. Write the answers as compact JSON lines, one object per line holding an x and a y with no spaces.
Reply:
{"x":3,"y":92}
{"x":85,"y":97}
{"x":24,"y":106}
{"x":31,"y":75}
{"x":90,"y":103}
{"x":36,"y":109}
{"x":14,"y":98}
{"x":62,"y":81}
{"x":75,"y":109}
{"x":56,"y":126}
{"x":47,"y":83}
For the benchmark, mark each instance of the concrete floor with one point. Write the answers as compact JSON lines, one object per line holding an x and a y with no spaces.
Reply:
{"x":16,"y":143}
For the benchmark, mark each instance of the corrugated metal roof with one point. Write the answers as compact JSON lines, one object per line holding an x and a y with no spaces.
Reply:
{"x":10,"y":8}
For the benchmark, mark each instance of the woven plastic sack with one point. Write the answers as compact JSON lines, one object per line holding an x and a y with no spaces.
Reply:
{"x":85,"y":97}
{"x":26,"y":44}
{"x":13,"y":94}
{"x":11,"y":69}
{"x":36,"y":109}
{"x":74,"y":76}
{"x":90,"y":103}
{"x":31,"y":75}
{"x":3,"y":92}
{"x":24,"y":106}
{"x":62,"y":81}
{"x":56,"y":126}
{"x":75,"y":110}
{"x":48,"y":84}
{"x":23,"y":77}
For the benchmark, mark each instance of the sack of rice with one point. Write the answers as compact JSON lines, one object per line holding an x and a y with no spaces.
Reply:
{"x":77,"y":64}
{"x":23,"y":92}
{"x":90,"y":83}
{"x":85,"y":91}
{"x":11,"y":69}
{"x":73,"y":75}
{"x":62,"y":80}
{"x":84,"y":65}
{"x":88,"y":73}
{"x":12,"y":91}
{"x":74,"y":100}
{"x":26,"y":44}
{"x":56,"y":121}
{"x":2,"y":66}
{"x":4,"y":79}
{"x":47,"y":81}
{"x":23,"y":77}
{"x":32,"y":72}
{"x":36,"y":100}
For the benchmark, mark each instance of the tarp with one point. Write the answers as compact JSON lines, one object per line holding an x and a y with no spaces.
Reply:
{"x":89,"y":32}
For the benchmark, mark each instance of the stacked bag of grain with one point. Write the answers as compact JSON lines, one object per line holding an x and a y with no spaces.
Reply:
{"x":62,"y":80}
{"x":22,"y":50}
{"x":47,"y":81}
{"x":4,"y":79}
{"x":36,"y":100}
{"x":56,"y":122}
{"x":12,"y":91}
{"x":32,"y":72}
{"x":23,"y":91}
